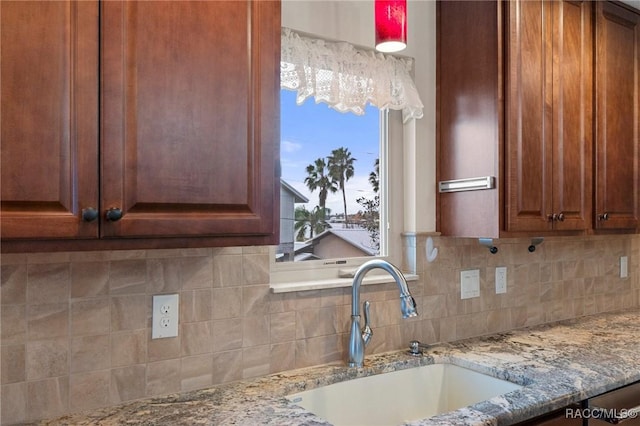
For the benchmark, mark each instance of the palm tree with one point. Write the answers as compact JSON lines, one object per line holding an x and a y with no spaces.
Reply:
{"x":371,"y":214}
{"x":374,"y":176}
{"x":341,"y":170}
{"x":319,"y":178}
{"x":312,"y":221}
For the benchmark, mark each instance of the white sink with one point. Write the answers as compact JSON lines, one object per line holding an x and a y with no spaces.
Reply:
{"x":401,"y":396}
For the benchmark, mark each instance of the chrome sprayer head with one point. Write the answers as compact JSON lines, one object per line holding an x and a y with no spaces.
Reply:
{"x":408,"y":306}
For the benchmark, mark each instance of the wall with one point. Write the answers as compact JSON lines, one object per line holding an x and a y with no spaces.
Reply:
{"x":75,"y":326}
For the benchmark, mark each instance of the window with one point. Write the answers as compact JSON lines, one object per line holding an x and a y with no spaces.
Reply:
{"x":330,"y":192}
{"x":361,"y":86}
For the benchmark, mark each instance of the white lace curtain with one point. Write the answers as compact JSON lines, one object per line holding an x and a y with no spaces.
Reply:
{"x":345,"y":77}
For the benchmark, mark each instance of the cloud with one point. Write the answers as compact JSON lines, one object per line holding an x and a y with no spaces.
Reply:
{"x":288,"y":146}
{"x":293,"y":169}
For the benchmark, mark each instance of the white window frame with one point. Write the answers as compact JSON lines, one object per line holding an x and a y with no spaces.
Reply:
{"x":320,"y":274}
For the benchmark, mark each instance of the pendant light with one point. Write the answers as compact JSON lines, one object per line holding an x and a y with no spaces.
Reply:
{"x":391,"y":25}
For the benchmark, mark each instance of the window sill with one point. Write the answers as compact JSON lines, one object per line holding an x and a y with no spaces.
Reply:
{"x":333,"y":283}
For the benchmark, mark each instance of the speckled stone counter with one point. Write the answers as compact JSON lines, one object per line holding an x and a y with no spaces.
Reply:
{"x":558,"y":364}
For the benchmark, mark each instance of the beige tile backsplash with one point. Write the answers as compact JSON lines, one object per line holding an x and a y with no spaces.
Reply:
{"x":75,"y":330}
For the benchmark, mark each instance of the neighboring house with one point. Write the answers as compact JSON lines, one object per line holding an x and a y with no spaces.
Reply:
{"x":304,"y":251}
{"x":335,"y":242}
{"x":338,"y":242}
{"x":289,"y":197}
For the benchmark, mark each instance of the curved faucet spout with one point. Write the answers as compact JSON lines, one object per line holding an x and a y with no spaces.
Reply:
{"x":407,"y":306}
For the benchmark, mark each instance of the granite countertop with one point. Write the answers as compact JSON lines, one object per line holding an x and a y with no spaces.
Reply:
{"x":558,"y":364}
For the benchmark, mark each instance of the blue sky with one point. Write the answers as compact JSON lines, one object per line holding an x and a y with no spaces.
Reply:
{"x":311,"y":131}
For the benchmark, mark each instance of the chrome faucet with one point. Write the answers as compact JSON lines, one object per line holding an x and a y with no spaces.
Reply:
{"x":359,"y":339}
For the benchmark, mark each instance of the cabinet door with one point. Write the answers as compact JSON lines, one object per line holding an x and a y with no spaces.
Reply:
{"x":549,"y":112}
{"x":617,"y":117}
{"x":529,"y":98}
{"x":469,"y":120}
{"x":190,"y":117}
{"x":49,"y":118}
{"x":572,"y":115}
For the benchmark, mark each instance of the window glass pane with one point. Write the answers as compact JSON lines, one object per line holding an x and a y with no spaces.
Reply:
{"x":329,"y":162}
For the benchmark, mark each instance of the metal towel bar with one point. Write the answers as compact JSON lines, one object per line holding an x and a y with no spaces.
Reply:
{"x":469,"y":184}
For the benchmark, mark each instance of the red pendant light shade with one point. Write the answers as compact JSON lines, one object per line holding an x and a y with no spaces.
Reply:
{"x":391,"y":25}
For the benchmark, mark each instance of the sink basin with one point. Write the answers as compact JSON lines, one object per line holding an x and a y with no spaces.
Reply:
{"x":401,"y":396}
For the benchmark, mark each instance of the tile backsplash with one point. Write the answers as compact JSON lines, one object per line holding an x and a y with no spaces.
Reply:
{"x":75,"y":327}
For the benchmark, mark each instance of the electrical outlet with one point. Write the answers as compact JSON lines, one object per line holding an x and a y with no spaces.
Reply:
{"x":501,"y":279}
{"x":470,"y":284}
{"x":624,"y":273}
{"x":165,"y":316}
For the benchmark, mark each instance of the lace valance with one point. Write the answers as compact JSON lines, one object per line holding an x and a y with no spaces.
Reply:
{"x":346,"y":77}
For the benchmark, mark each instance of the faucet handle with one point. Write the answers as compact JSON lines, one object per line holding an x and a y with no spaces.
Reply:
{"x":415,"y":348}
{"x":367,"y":333}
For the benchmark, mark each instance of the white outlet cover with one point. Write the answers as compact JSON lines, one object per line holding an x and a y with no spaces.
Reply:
{"x":469,"y":284}
{"x":624,"y":272}
{"x":165,"y":316}
{"x":501,"y":279}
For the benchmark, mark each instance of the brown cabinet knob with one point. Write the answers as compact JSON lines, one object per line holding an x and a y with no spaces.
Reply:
{"x":113,"y":214}
{"x":604,"y":216}
{"x":560,"y":217}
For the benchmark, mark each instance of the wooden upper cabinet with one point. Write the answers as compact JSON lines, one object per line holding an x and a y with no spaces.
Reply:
{"x":515,"y":102}
{"x":163,"y":116}
{"x":617,"y":194}
{"x":190,"y":113}
{"x":469,"y":120}
{"x":49,"y":118}
{"x":548,"y":116}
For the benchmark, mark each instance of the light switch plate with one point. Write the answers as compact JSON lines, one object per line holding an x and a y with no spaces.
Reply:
{"x":469,"y":284}
{"x":624,"y":272}
{"x":501,"y":279}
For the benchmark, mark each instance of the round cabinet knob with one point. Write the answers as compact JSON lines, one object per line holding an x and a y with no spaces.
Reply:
{"x":89,"y":214}
{"x":113,"y":214}
{"x":560,"y":217}
{"x":604,"y":216}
